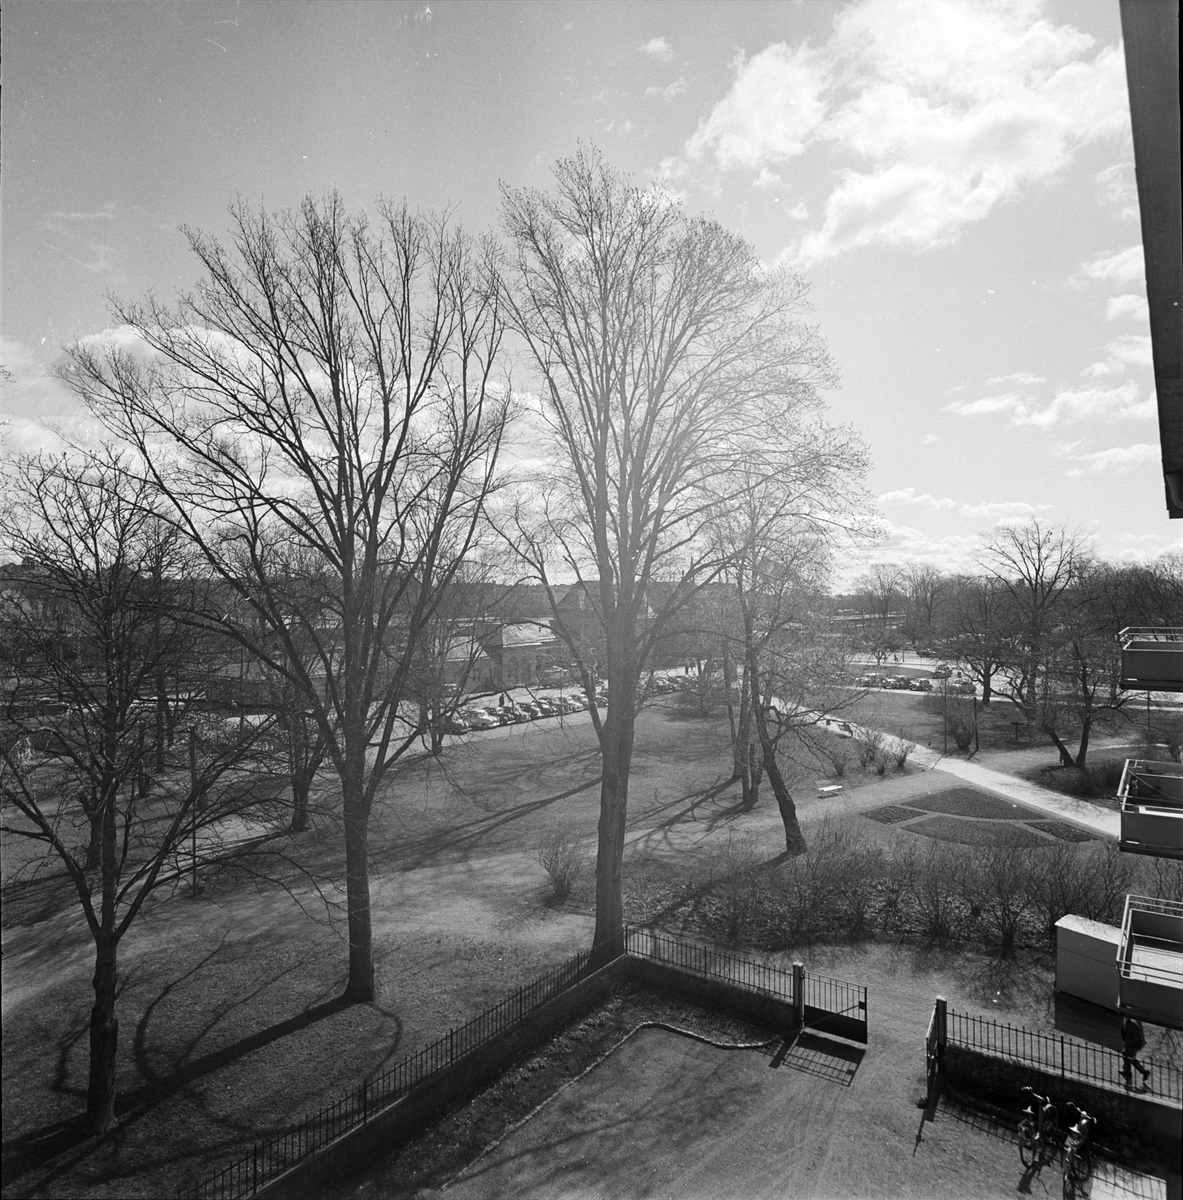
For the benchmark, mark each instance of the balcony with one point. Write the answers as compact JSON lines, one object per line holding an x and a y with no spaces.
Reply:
{"x":1152,"y":659}
{"x":1150,"y":961}
{"x":1151,"y":797}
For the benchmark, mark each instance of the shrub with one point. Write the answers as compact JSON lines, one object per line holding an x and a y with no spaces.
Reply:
{"x":958,"y":713}
{"x":563,"y":858}
{"x":1170,"y":733}
{"x":838,"y":756}
{"x":900,"y":749}
{"x":828,"y":890}
{"x":937,"y":894}
{"x":870,"y":744}
{"x":739,"y":886}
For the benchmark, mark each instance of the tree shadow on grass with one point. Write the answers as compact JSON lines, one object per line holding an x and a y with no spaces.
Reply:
{"x":58,"y":1146}
{"x":417,"y":852}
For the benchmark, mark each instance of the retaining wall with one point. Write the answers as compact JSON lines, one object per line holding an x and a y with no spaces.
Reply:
{"x":407,"y":1116}
{"x":1126,"y":1122}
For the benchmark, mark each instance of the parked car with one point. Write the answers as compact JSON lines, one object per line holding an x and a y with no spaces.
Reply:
{"x":869,"y":681}
{"x":544,"y":708}
{"x":897,"y":683}
{"x":942,"y":671}
{"x":920,"y":685}
{"x":453,"y":725}
{"x":517,"y":714}
{"x":578,"y":703}
{"x":964,"y":686}
{"x":477,"y":718}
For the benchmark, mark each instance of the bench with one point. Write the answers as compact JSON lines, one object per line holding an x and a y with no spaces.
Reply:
{"x":828,"y":789}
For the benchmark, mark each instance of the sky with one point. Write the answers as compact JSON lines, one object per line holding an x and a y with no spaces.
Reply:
{"x":954,"y":179}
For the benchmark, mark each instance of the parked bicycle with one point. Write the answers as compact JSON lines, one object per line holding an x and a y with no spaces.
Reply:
{"x":1078,"y":1155}
{"x":1037,"y":1129}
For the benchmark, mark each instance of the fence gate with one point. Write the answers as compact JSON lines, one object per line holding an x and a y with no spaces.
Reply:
{"x":835,"y":1006}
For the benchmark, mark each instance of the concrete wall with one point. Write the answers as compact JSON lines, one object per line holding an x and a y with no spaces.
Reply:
{"x":1126,"y":1123}
{"x":386,"y":1131}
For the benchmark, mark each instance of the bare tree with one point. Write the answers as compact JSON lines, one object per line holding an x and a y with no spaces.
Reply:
{"x":977,"y":630}
{"x":791,"y":676}
{"x":327,"y":395}
{"x":882,"y":585}
{"x":665,"y":354}
{"x":101,"y":562}
{"x":1036,"y":565}
{"x":923,"y":584}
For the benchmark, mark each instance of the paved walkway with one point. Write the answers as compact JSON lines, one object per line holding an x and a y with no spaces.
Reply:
{"x":1093,"y":817}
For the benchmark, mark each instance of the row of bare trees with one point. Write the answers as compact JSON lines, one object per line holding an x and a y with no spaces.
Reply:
{"x":1035,"y":623}
{"x":307,"y":453}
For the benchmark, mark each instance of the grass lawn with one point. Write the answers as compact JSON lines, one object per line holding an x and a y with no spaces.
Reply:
{"x":230,"y":1027}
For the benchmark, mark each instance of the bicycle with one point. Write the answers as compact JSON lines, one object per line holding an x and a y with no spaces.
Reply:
{"x":1037,"y":1129}
{"x":1078,"y":1155}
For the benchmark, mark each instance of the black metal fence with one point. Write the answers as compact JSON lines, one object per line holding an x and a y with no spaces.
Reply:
{"x":1056,"y":1054}
{"x":269,"y":1159}
{"x":709,"y":962}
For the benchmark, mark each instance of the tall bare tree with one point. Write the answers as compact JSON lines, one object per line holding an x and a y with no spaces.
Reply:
{"x":322,"y":417}
{"x":109,"y":571}
{"x":665,"y":354}
{"x":1036,"y":565}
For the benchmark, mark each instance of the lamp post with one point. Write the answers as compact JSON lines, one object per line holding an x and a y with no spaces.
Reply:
{"x":945,"y":694}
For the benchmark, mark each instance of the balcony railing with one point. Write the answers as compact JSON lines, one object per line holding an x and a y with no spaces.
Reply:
{"x":1151,"y":797}
{"x":1150,"y":961}
{"x":1152,"y":658}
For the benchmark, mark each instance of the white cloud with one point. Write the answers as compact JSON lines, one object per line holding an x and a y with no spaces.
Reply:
{"x":1119,"y":403}
{"x":1109,"y":405}
{"x":1125,"y":266}
{"x":1019,"y":377}
{"x":798,"y":212}
{"x":1132,"y":349}
{"x":1128,"y":306}
{"x":929,"y":438}
{"x":995,"y":509}
{"x":766,"y":179}
{"x":73,"y":223}
{"x":910,"y":496}
{"x":658,"y":47}
{"x":1118,"y":189}
{"x":948,"y":106}
{"x":1117,"y":458}
{"x":987,"y":404}
{"x":668,"y":92}
{"x":774,"y":106}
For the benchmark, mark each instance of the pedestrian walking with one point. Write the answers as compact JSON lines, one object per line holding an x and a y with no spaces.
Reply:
{"x":1132,"y":1041}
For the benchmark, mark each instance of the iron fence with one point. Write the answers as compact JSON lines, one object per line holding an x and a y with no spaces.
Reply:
{"x":709,"y":962}
{"x":1056,"y":1054}
{"x":269,"y":1159}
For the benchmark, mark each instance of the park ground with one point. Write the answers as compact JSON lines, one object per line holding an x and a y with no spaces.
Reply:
{"x":230,"y":1027}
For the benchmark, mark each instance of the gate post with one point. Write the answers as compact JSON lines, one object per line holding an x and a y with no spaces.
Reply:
{"x":942,"y":1028}
{"x":799,"y":994}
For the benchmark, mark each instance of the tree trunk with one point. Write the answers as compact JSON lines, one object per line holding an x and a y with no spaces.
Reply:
{"x":161,"y":722}
{"x":104,"y":1027}
{"x":1066,"y":759}
{"x":794,"y":839}
{"x":617,"y":751}
{"x":359,"y":988}
{"x":104,"y":1038}
{"x":94,"y":844}
{"x":298,"y":771}
{"x":1086,"y":729}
